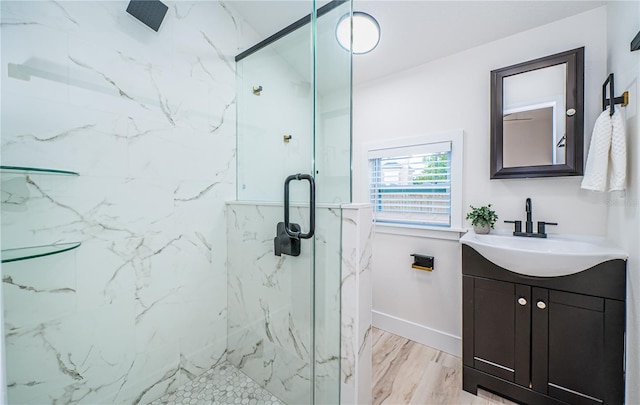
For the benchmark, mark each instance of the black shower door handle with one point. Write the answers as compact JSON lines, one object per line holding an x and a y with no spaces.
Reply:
{"x":312,"y":206}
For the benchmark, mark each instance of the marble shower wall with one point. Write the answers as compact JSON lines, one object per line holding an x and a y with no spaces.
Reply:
{"x":356,"y":346}
{"x":148,"y":120}
{"x":270,"y":302}
{"x":284,"y":106}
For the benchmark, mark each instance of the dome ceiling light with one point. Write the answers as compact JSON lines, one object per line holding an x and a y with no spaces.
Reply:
{"x":366,"y":32}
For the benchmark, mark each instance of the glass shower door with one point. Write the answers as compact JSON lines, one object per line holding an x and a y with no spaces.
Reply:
{"x":293,"y":117}
{"x":332,"y":158}
{"x":270,"y":297}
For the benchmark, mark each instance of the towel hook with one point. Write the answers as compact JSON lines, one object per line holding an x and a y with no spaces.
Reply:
{"x":612,"y":100}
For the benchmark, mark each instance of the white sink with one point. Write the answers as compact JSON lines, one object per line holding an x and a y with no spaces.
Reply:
{"x":557,"y":255}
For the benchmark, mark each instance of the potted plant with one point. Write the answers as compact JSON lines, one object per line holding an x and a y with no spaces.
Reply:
{"x":482,"y":218}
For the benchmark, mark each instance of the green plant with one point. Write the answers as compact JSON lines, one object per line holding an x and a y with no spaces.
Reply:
{"x":482,"y":216}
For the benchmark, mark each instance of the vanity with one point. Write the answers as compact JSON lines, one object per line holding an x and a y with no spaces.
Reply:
{"x":544,"y":319}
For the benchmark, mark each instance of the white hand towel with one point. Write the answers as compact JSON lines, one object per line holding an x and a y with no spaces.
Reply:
{"x":595,"y":173}
{"x":617,"y":175}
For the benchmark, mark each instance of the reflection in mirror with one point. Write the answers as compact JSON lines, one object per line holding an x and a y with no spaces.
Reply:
{"x":528,"y":138}
{"x":533,"y":117}
{"x":537,"y":117}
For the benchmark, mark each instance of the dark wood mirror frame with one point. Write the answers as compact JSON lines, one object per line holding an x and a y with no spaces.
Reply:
{"x":574,"y":124}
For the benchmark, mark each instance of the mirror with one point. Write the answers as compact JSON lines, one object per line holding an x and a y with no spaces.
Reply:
{"x":537,"y":117}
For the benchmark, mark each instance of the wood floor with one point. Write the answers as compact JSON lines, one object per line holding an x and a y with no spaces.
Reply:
{"x":406,"y":372}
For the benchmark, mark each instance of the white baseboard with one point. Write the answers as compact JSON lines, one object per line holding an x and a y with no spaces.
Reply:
{"x":419,"y":333}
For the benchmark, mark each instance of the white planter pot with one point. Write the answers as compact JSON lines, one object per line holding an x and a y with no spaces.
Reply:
{"x":482,"y":229}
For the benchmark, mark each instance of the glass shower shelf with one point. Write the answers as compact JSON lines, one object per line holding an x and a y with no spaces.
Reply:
{"x":14,"y":255}
{"x":36,"y":170}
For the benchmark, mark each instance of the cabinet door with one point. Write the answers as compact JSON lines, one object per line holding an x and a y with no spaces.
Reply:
{"x":501,"y":329}
{"x":579,"y":345}
{"x":539,"y":339}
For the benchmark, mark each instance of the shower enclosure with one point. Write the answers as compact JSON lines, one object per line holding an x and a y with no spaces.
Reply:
{"x":126,"y":271}
{"x":294,"y":126}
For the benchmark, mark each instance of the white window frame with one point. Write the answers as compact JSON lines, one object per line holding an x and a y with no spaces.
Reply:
{"x":457,"y":147}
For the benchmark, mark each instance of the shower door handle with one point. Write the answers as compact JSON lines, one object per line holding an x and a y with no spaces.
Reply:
{"x":312,"y":207}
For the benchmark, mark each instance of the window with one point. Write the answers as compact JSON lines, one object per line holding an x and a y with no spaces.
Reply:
{"x":418,"y":182}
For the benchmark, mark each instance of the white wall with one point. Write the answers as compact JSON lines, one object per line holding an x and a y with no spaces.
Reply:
{"x":623,"y":219}
{"x":454,"y":93}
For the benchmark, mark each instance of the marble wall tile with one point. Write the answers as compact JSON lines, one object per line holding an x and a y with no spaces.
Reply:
{"x":148,"y":119}
{"x":71,"y":358}
{"x":63,"y":136}
{"x":39,"y":291}
{"x":148,"y":377}
{"x":270,"y":301}
{"x":29,"y":49}
{"x":327,"y":302}
{"x":284,"y":107}
{"x":264,"y":290}
{"x":357,"y":238}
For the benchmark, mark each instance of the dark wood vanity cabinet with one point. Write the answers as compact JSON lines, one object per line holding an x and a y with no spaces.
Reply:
{"x":536,"y":340}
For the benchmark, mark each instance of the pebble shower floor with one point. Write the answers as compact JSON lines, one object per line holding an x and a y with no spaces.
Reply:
{"x":223,"y":384}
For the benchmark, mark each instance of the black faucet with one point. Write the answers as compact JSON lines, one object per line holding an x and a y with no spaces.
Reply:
{"x":529,"y":224}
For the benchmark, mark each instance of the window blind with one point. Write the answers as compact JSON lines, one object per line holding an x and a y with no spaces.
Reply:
{"x":412,"y":184}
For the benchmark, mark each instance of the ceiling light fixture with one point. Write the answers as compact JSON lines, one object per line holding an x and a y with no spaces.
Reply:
{"x":366,"y":32}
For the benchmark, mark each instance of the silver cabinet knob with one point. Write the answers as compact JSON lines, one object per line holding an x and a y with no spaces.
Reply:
{"x":571,"y":112}
{"x":522,"y":301}
{"x":541,"y":305}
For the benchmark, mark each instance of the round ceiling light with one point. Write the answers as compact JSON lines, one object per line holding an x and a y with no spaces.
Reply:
{"x":366,"y":32}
